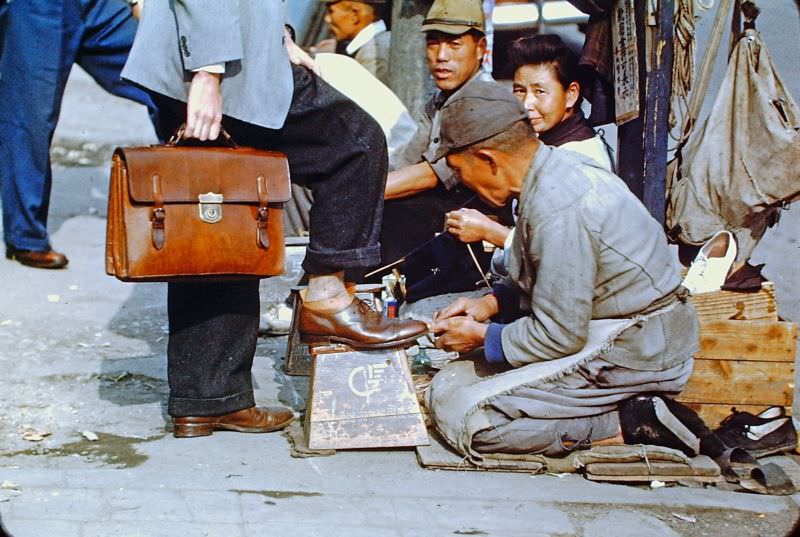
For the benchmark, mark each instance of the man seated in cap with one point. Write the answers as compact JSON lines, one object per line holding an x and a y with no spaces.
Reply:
{"x":593,"y":294}
{"x":360,"y":33}
{"x":456,"y":44}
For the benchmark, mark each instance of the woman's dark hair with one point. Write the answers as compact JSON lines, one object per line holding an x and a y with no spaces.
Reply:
{"x":546,"y":49}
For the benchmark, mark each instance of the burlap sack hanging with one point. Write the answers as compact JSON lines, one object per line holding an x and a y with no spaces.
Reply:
{"x":744,"y":163}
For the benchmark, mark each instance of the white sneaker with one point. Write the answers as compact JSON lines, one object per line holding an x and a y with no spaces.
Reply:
{"x":276,"y":319}
{"x":710,"y":268}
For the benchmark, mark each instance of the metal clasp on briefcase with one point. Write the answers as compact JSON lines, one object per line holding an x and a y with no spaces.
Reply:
{"x":210,"y":207}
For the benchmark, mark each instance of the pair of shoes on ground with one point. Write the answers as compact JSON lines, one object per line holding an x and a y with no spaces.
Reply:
{"x":658,"y":420}
{"x":711,"y":266}
{"x":768,"y":433}
{"x":45,"y":259}
{"x":357,"y":325}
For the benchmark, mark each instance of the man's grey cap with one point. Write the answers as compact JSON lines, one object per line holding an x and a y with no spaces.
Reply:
{"x":476,"y":112}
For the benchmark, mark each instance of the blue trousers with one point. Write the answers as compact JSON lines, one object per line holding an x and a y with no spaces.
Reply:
{"x":40,"y":40}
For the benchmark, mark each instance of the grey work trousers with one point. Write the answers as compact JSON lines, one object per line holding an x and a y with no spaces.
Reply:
{"x":579,"y":406}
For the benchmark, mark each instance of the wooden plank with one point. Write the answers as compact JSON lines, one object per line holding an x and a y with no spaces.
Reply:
{"x":713,"y":414}
{"x":739,"y":382}
{"x":363,"y":399}
{"x":748,"y":340}
{"x":729,"y":305}
{"x":701,"y":466}
{"x":654,"y":477}
{"x":626,"y":62}
{"x":360,"y":433}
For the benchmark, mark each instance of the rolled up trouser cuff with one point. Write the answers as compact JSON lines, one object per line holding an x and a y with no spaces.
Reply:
{"x":184,"y":406}
{"x":318,"y":262}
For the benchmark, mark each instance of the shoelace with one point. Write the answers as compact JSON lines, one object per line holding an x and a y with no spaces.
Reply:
{"x":366,"y":309}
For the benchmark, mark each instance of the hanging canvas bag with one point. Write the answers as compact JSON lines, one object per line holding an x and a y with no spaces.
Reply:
{"x":744,"y":163}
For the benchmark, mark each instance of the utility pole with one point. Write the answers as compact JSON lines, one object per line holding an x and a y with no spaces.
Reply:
{"x":643,"y":157}
{"x":408,"y":69}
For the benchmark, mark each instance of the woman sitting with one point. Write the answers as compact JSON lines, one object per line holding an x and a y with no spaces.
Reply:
{"x":546,"y":81}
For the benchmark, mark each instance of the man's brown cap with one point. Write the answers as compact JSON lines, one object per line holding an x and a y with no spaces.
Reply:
{"x":455,"y":17}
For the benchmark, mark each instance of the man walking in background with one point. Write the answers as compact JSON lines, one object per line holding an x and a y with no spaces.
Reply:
{"x":40,"y":40}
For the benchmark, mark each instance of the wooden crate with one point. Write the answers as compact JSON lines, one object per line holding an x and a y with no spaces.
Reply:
{"x":728,"y":305}
{"x":363,"y":399}
{"x":746,"y":364}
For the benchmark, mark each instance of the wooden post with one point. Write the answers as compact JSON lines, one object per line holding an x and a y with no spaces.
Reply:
{"x":408,"y":69}
{"x":643,"y":141}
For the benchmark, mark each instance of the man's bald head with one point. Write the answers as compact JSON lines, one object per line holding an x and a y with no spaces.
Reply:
{"x":347,"y":18}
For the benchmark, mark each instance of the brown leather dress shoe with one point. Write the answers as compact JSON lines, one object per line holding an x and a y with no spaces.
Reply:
{"x":47,"y":259}
{"x":358,"y":326}
{"x":248,"y":420}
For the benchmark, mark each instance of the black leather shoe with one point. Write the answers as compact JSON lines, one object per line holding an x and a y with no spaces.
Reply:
{"x":767,"y":433}
{"x":360,"y":327}
{"x":46,"y":259}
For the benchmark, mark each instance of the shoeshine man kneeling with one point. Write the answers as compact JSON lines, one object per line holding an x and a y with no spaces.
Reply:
{"x":586,"y":252}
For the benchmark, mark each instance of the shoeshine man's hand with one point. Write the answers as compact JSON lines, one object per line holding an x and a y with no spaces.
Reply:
{"x":470,"y":225}
{"x":204,"y":107}
{"x":477,"y":309}
{"x":466,"y":224}
{"x":460,"y":334}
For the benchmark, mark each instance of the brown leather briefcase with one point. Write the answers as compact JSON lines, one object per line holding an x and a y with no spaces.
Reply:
{"x":181,"y":213}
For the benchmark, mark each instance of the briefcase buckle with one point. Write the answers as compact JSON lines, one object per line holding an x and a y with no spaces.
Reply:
{"x":210,"y":207}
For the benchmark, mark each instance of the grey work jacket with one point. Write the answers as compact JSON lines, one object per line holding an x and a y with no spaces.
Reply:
{"x":586,"y":248}
{"x":425,"y":144}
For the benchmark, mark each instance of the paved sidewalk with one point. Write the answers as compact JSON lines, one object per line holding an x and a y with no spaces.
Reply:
{"x":84,"y":450}
{"x":83,"y":355}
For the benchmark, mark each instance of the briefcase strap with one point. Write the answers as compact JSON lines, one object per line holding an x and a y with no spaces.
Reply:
{"x":263,"y":212}
{"x":158,"y":214}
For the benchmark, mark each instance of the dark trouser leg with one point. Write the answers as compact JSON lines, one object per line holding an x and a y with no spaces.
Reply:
{"x":339,"y":152}
{"x":412,"y":221}
{"x":213,"y":328}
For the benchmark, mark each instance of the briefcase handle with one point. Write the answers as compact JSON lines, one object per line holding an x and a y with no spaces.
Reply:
{"x":178,"y":137}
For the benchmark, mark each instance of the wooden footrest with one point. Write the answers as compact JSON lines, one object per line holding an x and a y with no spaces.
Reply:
{"x":362,"y":399}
